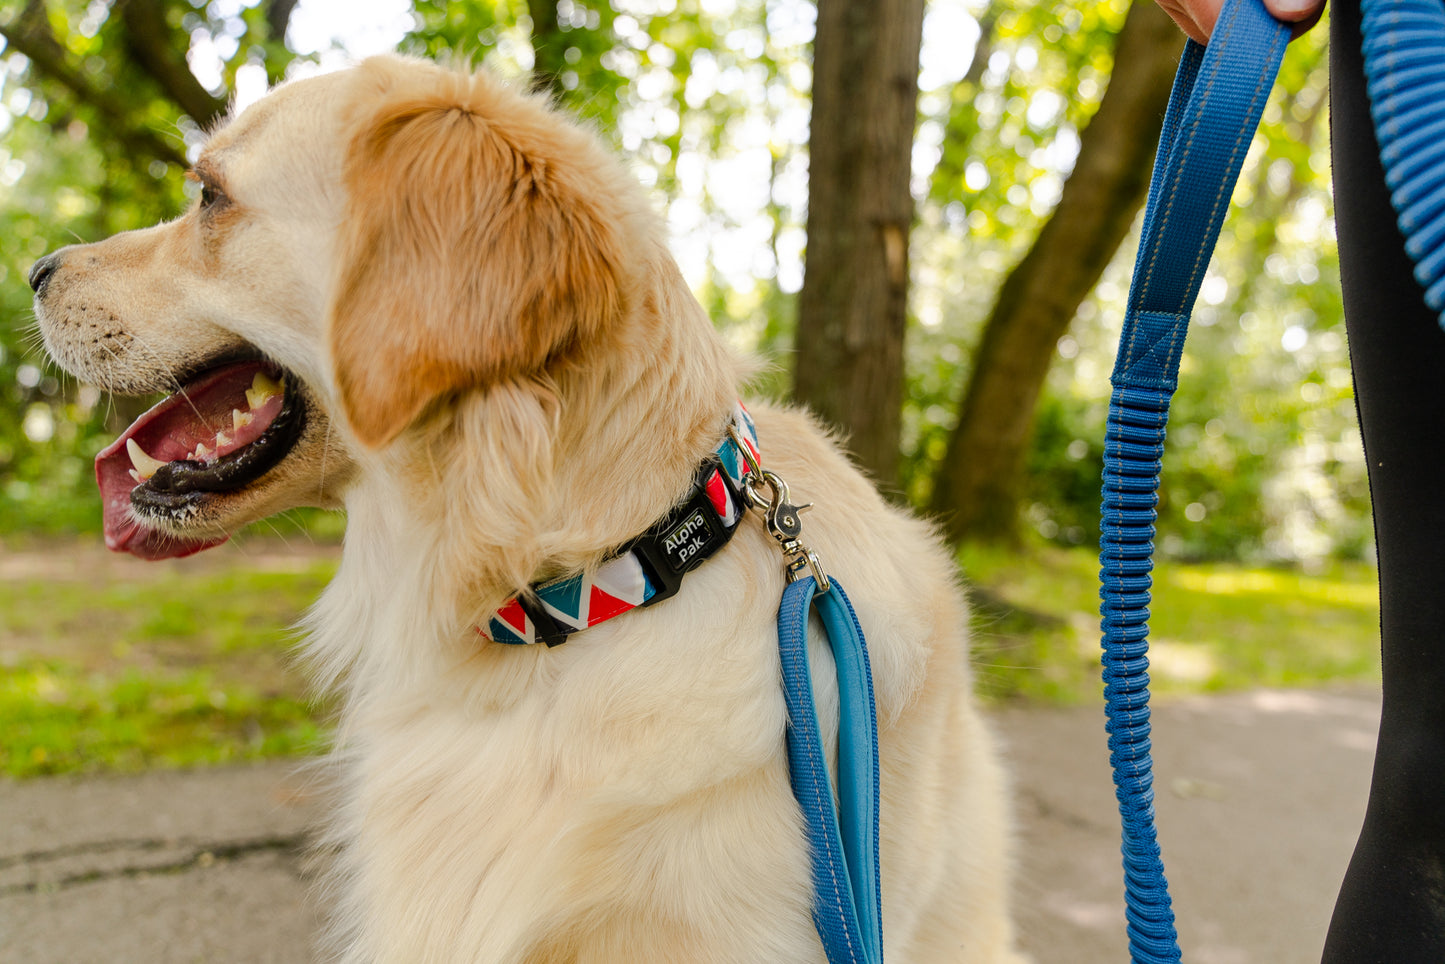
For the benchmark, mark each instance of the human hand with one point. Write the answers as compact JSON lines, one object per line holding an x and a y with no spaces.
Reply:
{"x":1197,"y":17}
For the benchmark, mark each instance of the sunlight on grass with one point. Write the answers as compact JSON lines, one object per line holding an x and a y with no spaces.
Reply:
{"x":1213,"y":627}
{"x":126,"y":667}
{"x":1219,"y":581}
{"x":57,"y":719}
{"x":118,"y":666}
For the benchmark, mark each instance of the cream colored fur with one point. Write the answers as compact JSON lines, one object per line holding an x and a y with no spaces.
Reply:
{"x":509,"y":380}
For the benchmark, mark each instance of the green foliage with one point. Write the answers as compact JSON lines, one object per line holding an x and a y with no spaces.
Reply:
{"x":503,"y":35}
{"x":1214,"y":627}
{"x":710,"y":105}
{"x":1012,"y":125}
{"x":1007,"y":134}
{"x":113,"y":665}
{"x":1263,"y":460}
{"x":72,"y":169}
{"x":59,"y":720}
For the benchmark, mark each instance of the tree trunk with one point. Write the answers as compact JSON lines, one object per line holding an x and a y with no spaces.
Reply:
{"x":851,"y":311}
{"x":976,"y":489}
{"x":548,"y":45}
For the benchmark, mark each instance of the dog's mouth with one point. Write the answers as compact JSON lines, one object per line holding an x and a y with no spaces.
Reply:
{"x":220,"y":433}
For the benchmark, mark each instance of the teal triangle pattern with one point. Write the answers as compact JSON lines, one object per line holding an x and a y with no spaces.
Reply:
{"x":565,"y":596}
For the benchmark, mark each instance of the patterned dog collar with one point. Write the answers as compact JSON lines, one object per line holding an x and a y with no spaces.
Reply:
{"x":650,"y":568}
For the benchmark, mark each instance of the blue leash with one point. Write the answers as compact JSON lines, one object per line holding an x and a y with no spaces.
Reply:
{"x":1404,"y":48}
{"x":842,"y":838}
{"x":1214,"y":108}
{"x":847,"y":898}
{"x":1213,"y":111}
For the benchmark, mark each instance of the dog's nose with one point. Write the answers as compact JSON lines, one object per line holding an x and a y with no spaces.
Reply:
{"x":41,"y":271}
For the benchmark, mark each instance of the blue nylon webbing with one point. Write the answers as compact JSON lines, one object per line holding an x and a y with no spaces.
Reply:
{"x":1214,"y":108}
{"x":847,"y":894}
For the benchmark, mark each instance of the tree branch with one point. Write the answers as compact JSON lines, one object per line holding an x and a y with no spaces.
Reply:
{"x":982,"y":50}
{"x":548,"y":42}
{"x":30,"y":35}
{"x":975,"y":491}
{"x":278,"y":18}
{"x":155,"y":48}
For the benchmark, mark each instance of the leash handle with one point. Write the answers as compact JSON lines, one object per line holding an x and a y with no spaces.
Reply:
{"x":1214,"y":108}
{"x":847,"y":893}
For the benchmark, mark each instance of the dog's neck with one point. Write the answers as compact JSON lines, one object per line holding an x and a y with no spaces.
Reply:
{"x":523,"y":480}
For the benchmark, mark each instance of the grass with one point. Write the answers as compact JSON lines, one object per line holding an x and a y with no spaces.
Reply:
{"x":59,"y":719}
{"x":1212,"y":627}
{"x":111,"y":664}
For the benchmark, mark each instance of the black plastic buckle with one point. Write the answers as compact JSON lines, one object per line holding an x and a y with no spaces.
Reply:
{"x":545,"y":627}
{"x":689,"y":534}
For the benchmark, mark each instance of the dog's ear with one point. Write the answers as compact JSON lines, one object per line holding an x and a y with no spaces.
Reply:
{"x":472,"y":251}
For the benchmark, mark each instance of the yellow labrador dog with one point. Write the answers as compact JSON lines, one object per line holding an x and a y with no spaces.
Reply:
{"x":424,"y":295}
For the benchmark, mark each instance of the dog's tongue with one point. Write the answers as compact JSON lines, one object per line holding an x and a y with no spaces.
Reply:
{"x":223,"y":411}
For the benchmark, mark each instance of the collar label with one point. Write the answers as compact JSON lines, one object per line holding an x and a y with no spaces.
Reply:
{"x":688,"y":540}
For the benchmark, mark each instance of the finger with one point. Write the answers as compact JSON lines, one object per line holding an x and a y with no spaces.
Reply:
{"x":1295,"y":11}
{"x":1304,"y":22}
{"x":1302,"y":14}
{"x":1196,"y":19}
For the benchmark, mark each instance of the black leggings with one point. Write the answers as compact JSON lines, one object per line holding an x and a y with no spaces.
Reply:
{"x":1391,"y":908}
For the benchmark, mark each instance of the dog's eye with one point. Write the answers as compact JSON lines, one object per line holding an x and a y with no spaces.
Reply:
{"x":210,"y":196}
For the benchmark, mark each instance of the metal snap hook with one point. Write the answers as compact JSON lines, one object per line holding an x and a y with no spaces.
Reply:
{"x":766,"y":491}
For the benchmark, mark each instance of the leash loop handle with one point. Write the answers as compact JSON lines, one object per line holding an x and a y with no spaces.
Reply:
{"x":1214,"y":108}
{"x":847,"y":891}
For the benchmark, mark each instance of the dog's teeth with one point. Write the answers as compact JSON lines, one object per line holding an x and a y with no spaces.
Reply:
{"x":145,"y":465}
{"x":202,"y":453}
{"x":261,"y":389}
{"x":136,"y":475}
{"x":222,"y":439}
{"x":240,"y":419}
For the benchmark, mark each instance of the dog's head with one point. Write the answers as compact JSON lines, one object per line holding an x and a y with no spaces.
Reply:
{"x":367,"y":246}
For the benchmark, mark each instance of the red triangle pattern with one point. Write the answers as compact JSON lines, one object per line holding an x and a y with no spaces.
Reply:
{"x":717,"y":494}
{"x":602,"y":606}
{"x":515,"y":617}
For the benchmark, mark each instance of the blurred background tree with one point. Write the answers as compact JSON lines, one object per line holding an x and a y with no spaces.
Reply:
{"x":1024,"y":165}
{"x":853,"y":309}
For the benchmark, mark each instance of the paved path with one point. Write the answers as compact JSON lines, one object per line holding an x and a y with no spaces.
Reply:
{"x":1261,"y":796}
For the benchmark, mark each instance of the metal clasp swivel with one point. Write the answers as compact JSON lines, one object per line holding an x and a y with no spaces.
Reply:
{"x":765,"y":490}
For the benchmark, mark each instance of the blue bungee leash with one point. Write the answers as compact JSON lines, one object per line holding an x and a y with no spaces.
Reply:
{"x":847,"y":891}
{"x":1213,"y":112}
{"x":1404,"y":51}
{"x":1214,"y":109}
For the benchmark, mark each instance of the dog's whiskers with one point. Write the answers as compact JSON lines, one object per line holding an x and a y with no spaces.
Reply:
{"x":299,"y":524}
{"x":171,"y":376}
{"x":279,"y":534}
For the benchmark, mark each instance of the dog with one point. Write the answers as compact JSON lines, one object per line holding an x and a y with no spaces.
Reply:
{"x":423,"y":294}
